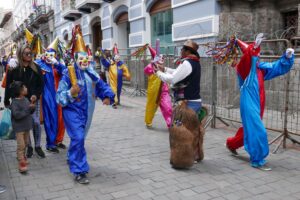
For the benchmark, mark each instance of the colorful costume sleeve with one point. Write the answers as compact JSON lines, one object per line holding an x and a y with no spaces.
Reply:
{"x":277,"y":68}
{"x":148,"y":70}
{"x":63,"y":94}
{"x":60,"y":68}
{"x":105,"y":63}
{"x":102,"y":89}
{"x":126,"y":73}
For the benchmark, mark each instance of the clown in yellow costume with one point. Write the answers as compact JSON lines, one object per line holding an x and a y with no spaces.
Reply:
{"x":116,"y":70}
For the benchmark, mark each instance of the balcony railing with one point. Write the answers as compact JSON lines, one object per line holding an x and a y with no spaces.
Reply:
{"x":68,"y":4}
{"x":88,"y":6}
{"x":69,"y":10}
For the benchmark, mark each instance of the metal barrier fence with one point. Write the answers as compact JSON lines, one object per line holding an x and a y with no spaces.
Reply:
{"x":220,"y":89}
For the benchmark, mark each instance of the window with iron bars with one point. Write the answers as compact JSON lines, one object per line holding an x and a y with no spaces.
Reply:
{"x":290,"y":24}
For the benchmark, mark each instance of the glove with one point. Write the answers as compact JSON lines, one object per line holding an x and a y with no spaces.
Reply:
{"x":289,"y":52}
{"x":54,"y":61}
{"x":13,"y":63}
{"x":258,"y":40}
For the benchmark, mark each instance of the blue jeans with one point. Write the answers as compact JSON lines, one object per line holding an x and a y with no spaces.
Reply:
{"x":195,"y":105}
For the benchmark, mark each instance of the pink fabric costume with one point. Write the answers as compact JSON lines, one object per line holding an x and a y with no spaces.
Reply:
{"x":158,"y":94}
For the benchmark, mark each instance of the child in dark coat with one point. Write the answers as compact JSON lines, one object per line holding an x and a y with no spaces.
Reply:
{"x":21,"y":110}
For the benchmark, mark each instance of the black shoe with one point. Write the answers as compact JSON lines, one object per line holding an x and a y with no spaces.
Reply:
{"x":232,"y":151}
{"x":82,"y":179}
{"x":29,"y":152}
{"x":40,"y":152}
{"x":2,"y":189}
{"x":53,"y":150}
{"x":114,"y":106}
{"x":61,"y":145}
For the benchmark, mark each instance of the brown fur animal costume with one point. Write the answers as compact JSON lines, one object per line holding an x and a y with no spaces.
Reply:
{"x":184,"y":136}
{"x":199,"y":155}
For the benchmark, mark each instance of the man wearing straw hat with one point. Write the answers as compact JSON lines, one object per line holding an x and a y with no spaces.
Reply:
{"x":185,"y":81}
{"x":186,"y":76}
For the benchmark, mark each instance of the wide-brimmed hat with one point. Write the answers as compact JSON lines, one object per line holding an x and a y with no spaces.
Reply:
{"x":191,"y":44}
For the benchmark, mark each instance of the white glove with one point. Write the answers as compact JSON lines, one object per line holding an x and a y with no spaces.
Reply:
{"x":258,"y":40}
{"x":54,"y":61}
{"x":13,"y":63}
{"x":289,"y":52}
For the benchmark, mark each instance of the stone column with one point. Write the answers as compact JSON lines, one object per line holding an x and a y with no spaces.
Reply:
{"x":298,"y":29}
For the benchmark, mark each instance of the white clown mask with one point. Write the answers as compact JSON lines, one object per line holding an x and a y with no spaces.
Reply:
{"x":82,"y":60}
{"x":49,"y":55}
{"x":39,"y":56}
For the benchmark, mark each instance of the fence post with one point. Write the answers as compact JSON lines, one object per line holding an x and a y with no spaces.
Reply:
{"x":286,"y":109}
{"x":214,"y":94}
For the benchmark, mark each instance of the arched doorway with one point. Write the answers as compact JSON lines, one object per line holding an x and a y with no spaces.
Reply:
{"x":123,"y":31}
{"x":96,"y":33}
{"x":120,"y":17}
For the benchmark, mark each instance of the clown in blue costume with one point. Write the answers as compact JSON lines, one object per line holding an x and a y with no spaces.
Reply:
{"x":252,"y":74}
{"x":52,"y":72}
{"x":76,"y":91}
{"x":117,"y":70}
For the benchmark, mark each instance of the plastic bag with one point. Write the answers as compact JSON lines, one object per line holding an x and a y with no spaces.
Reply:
{"x":5,"y":124}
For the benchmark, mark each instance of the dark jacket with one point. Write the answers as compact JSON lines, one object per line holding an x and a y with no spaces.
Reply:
{"x":32,"y":79}
{"x":21,"y":118}
{"x":192,"y":82}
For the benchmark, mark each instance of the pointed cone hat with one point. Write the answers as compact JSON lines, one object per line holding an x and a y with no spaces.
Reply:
{"x":152,"y":51}
{"x":37,"y":49}
{"x":53,"y":45}
{"x":28,"y":36}
{"x":36,"y":45}
{"x":78,"y":45}
{"x":243,"y":46}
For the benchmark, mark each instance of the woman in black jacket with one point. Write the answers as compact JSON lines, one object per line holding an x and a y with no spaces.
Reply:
{"x":25,"y":70}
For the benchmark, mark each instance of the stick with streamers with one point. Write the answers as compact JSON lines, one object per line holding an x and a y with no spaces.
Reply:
{"x":140,"y":51}
{"x":227,"y":53}
{"x":64,"y":53}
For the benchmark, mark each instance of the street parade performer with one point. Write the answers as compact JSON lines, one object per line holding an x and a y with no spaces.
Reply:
{"x":116,"y":70}
{"x":52,"y":113}
{"x":251,"y":75}
{"x":157,"y":93}
{"x":76,"y":93}
{"x":186,"y":134}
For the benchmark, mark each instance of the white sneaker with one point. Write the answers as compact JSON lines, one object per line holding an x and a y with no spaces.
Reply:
{"x":264,"y":168}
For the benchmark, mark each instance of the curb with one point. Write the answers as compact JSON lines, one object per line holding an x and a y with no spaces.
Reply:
{"x":10,"y":193}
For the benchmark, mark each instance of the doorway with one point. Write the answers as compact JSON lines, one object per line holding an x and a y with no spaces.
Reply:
{"x":97,"y":34}
{"x":123,"y":33}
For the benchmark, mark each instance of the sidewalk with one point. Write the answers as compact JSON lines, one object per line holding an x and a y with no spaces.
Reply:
{"x":128,"y":161}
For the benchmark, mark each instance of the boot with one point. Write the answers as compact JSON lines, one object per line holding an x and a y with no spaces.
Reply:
{"x":22,"y":166}
{"x":29,"y":152}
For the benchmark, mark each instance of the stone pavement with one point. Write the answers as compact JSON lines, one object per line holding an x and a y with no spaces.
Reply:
{"x":128,"y":161}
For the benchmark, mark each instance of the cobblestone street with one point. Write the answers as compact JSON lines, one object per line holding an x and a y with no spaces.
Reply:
{"x":128,"y":161}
